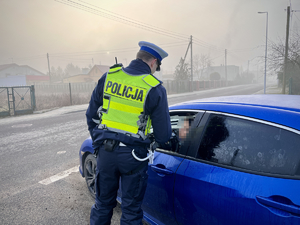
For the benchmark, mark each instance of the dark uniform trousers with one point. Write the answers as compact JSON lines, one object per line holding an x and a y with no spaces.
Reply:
{"x":111,"y":166}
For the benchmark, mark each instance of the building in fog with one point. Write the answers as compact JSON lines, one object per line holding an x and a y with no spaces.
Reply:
{"x":92,"y":76}
{"x":165,"y":75}
{"x":15,"y":75}
{"x":205,"y":74}
{"x":232,"y":72}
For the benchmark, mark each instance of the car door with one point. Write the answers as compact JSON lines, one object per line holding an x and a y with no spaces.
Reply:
{"x":240,"y":171}
{"x":158,"y":201}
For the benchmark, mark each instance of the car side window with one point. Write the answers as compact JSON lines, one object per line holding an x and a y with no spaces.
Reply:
{"x":181,"y":123}
{"x":250,"y":145}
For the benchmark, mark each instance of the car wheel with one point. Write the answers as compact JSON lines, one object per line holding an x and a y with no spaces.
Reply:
{"x":90,"y":165}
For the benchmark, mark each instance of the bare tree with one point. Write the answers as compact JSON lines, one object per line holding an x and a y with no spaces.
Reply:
{"x":71,"y":70}
{"x":182,"y":71}
{"x":200,"y":62}
{"x":276,"y":61}
{"x":277,"y":52}
{"x":60,"y":73}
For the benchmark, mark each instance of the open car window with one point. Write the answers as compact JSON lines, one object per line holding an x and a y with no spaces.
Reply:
{"x":182,"y":123}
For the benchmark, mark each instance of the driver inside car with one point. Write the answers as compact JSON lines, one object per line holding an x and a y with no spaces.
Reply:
{"x":184,"y":127}
{"x":179,"y":135}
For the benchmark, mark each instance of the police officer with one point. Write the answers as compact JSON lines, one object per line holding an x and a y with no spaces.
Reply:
{"x":125,"y":103}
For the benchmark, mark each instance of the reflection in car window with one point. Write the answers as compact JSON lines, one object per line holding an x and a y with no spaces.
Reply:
{"x":250,"y":145}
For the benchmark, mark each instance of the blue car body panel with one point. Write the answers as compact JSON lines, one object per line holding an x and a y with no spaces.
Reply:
{"x":158,"y":200}
{"x":86,"y":148}
{"x":225,"y":196}
{"x":185,"y":190}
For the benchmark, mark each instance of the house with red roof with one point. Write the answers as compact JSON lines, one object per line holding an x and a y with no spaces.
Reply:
{"x":92,"y":76}
{"x":15,"y":75}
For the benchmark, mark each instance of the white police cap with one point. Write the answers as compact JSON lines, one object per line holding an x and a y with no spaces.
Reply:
{"x":153,"y":49}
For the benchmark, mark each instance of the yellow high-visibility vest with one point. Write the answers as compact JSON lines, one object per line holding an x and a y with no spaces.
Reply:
{"x":124,"y":98}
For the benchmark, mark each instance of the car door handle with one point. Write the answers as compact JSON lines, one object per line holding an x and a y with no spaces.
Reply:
{"x":161,"y":171}
{"x":291,"y":207}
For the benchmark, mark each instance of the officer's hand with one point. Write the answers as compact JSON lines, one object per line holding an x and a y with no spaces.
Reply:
{"x":173,"y":144}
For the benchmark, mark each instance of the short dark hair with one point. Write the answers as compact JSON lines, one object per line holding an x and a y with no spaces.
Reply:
{"x":144,"y":56}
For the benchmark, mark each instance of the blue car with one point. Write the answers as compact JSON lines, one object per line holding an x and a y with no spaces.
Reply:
{"x":237,"y":162}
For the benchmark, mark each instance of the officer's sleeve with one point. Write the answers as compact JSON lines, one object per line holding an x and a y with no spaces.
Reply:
{"x":157,"y":106}
{"x":95,"y":102}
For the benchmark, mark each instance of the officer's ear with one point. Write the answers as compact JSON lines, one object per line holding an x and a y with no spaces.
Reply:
{"x":153,"y":63}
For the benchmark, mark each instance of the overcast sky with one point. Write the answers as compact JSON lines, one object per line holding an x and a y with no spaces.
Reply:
{"x":32,"y":28}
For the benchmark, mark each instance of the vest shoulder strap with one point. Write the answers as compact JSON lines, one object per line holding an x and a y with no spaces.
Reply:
{"x":151,"y":80}
{"x":114,"y":69}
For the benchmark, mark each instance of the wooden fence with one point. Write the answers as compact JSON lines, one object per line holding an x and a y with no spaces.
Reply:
{"x":175,"y":87}
{"x":172,"y":86}
{"x":58,"y":95}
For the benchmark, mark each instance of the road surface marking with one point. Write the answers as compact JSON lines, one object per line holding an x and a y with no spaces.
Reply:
{"x":59,"y":176}
{"x":61,"y":152}
{"x":21,"y":125}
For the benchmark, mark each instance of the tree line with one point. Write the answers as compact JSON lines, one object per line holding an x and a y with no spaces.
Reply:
{"x":276,"y":61}
{"x":201,"y":64}
{"x":58,"y":74}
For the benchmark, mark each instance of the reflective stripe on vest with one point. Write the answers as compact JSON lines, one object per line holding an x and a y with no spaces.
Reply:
{"x":123,"y":102}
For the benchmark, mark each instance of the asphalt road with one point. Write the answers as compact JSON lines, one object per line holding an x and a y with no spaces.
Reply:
{"x":39,"y":179}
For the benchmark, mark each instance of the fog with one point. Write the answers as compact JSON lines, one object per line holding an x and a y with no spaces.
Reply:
{"x":30,"y":29}
{"x":40,"y":181}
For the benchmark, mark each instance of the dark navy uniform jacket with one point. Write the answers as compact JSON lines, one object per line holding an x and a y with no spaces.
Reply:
{"x":156,"y":106}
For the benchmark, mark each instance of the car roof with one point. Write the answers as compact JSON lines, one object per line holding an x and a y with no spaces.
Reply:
{"x":281,"y":109}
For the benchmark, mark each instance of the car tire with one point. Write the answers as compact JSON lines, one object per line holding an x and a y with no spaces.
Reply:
{"x":90,"y":165}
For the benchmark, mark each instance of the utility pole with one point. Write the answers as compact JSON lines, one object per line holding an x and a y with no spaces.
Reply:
{"x":225,"y":67}
{"x":92,"y":61}
{"x":266,"y":52}
{"x":192,"y":61}
{"x":183,"y":60}
{"x":257,"y":73}
{"x":286,"y":49}
{"x":49,"y":67}
{"x":248,"y":68}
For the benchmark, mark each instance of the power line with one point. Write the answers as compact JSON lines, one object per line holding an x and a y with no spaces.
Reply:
{"x":201,"y":44}
{"x":29,"y":57}
{"x":72,"y":56}
{"x":209,"y":47}
{"x":245,"y":49}
{"x":183,"y":35}
{"x":128,"y":49}
{"x":217,"y":57}
{"x":102,"y":52}
{"x":296,"y":16}
{"x":118,"y":18}
{"x":207,"y":44}
{"x":202,"y":41}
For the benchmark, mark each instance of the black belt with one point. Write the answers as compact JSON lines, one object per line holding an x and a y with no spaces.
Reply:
{"x":109,"y":144}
